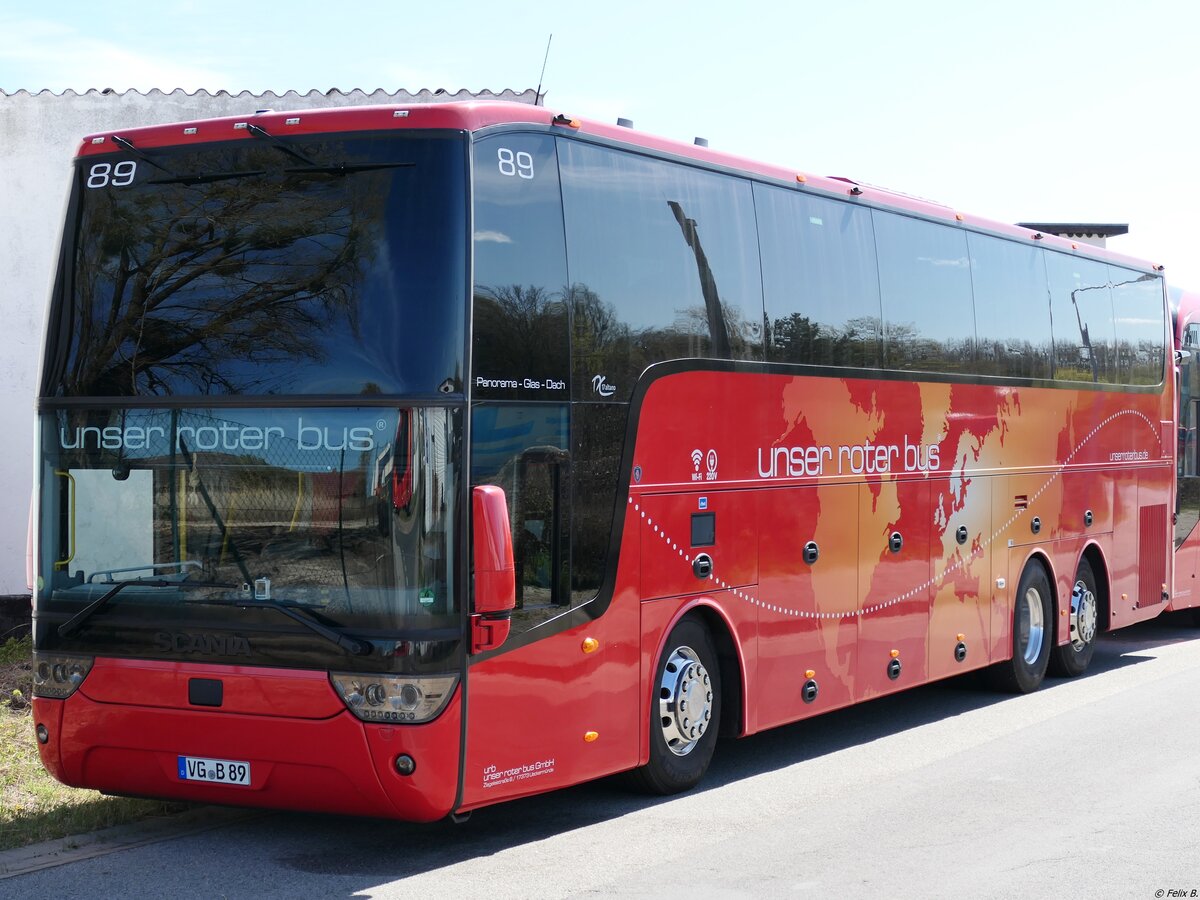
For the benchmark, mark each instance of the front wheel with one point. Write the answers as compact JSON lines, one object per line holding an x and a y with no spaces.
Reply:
{"x":1031,"y":634}
{"x":685,"y":711}
{"x":1072,"y":658}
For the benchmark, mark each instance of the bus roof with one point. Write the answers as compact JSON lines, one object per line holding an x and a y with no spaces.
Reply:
{"x":474,"y":116}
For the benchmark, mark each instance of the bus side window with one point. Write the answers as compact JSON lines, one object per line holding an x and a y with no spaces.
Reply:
{"x":820,"y":279}
{"x":1084,"y":335}
{"x":925,"y":285}
{"x":1012,"y":308}
{"x":688,"y":283}
{"x":523,"y":449}
{"x":520,"y":346}
{"x":1138,"y":317}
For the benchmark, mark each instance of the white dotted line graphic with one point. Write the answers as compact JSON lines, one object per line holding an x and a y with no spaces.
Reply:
{"x":919,"y":589}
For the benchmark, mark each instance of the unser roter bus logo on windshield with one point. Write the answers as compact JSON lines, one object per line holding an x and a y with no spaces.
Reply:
{"x":232,"y":437}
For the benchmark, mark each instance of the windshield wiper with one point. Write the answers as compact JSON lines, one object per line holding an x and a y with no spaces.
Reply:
{"x":280,"y":145}
{"x":77,"y":621}
{"x":126,"y":144}
{"x":311,"y":166}
{"x":307,"y":619}
{"x":346,"y":168}
{"x":207,"y":178}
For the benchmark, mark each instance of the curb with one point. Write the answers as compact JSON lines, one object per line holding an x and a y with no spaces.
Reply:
{"x":58,"y":852}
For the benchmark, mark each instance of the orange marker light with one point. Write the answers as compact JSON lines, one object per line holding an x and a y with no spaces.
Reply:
{"x":590,"y":645}
{"x":591,"y":736}
{"x":895,"y":654}
{"x":962,"y":637}
{"x":810,"y":674}
{"x":803,"y":179}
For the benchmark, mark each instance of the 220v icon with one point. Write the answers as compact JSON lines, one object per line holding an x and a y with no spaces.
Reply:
{"x":220,"y":771}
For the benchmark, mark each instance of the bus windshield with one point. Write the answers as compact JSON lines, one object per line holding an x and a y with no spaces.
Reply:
{"x":254,"y":357}
{"x":219,"y":517}
{"x":320,"y":266}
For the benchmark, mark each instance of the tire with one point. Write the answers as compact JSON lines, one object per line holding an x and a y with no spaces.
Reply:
{"x":1032,"y":631}
{"x":1072,"y":658}
{"x":687,"y":683}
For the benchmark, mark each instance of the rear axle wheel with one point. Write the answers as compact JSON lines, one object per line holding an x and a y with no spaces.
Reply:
{"x":1031,"y":634}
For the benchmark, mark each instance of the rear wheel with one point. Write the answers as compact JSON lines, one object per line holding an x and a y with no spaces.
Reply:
{"x":685,"y":712}
{"x":1032,"y":615}
{"x":1072,"y":658}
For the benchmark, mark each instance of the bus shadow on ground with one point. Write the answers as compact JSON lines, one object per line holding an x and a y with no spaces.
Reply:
{"x":494,"y":829}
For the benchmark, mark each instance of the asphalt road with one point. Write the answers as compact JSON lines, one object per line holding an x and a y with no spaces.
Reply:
{"x":1087,"y":788}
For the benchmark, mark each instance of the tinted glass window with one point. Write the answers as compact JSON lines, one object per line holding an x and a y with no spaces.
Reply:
{"x":664,"y":264}
{"x":925,"y":282}
{"x":597,"y":440}
{"x":820,"y":280}
{"x":239,"y":268}
{"x":520,"y":341}
{"x":1139,"y":318}
{"x":1081,"y":302}
{"x":523,"y":449}
{"x":348,"y":514}
{"x":1012,"y":308}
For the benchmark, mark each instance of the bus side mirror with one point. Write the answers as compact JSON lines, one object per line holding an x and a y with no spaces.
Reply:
{"x":495,"y":574}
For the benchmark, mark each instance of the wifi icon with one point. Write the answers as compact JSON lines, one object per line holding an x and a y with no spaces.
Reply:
{"x":697,"y":458}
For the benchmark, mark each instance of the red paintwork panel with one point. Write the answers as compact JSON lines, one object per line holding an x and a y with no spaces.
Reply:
{"x":533,"y":710}
{"x":894,"y":586}
{"x":288,"y":693}
{"x":666,"y":526}
{"x":49,"y":713}
{"x":812,"y":626}
{"x":337,"y":765}
{"x":1186,"y":593}
{"x":845,"y":464}
{"x":962,"y":575}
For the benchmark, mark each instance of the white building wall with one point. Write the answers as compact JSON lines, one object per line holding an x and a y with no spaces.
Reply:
{"x":39,"y":134}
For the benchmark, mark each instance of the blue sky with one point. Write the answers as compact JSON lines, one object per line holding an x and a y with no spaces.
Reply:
{"x":1057,"y":111}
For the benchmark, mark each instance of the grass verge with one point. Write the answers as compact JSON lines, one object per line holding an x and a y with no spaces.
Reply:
{"x":33,"y":806}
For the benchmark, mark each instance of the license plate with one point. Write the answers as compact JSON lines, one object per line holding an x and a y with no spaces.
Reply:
{"x":220,"y":771}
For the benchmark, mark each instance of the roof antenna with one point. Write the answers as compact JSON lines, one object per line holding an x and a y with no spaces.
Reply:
{"x":537,"y":97}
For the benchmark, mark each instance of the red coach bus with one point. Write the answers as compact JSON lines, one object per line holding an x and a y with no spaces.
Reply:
{"x":399,"y":461}
{"x":1186,"y":309}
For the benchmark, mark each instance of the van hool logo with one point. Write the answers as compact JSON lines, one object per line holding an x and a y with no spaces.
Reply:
{"x":232,"y":437}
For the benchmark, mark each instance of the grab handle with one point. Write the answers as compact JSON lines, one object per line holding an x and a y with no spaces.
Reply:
{"x":64,"y":563}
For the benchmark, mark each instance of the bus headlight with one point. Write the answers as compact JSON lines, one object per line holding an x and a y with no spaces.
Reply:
{"x":56,"y":675}
{"x":394,"y":698}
